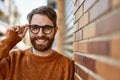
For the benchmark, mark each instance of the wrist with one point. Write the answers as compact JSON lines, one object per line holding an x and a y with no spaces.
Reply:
{"x":13,"y":38}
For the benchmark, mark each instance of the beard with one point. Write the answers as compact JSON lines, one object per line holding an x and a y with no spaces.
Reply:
{"x":42,"y":47}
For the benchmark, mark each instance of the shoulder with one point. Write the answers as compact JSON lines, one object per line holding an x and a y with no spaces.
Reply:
{"x":66,"y":63}
{"x":16,"y":53}
{"x":64,"y":58}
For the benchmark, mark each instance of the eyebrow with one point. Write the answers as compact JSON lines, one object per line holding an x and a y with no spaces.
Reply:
{"x":43,"y":25}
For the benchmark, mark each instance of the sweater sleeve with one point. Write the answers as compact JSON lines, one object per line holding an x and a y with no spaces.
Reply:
{"x":71,"y":77}
{"x":7,"y":44}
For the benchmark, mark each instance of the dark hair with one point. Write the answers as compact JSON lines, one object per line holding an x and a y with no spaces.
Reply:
{"x":44,"y":10}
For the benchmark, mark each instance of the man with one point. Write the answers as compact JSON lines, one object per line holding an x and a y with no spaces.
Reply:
{"x":40,"y":62}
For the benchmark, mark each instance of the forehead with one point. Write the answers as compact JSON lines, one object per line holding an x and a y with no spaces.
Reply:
{"x":41,"y":20}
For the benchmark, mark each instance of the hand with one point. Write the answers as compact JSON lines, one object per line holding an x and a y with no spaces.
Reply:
{"x":20,"y":30}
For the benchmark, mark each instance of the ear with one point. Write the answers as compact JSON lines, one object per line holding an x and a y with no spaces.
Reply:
{"x":56,"y":28}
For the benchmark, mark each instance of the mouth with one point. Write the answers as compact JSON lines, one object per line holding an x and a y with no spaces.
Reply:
{"x":40,"y":41}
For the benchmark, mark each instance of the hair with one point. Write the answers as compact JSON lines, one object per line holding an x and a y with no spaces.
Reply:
{"x":44,"y":10}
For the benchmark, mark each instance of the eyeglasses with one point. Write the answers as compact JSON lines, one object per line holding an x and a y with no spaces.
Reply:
{"x":47,"y":29}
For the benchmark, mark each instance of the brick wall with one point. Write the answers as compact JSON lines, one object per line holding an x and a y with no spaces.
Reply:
{"x":97,"y":39}
{"x":65,"y":24}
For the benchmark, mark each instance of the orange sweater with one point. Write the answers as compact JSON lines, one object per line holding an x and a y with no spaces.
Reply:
{"x":24,"y":65}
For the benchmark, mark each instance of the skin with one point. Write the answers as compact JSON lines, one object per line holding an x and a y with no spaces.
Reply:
{"x":39,"y":39}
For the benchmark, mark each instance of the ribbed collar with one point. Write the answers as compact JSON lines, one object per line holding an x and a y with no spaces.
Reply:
{"x":53,"y":56}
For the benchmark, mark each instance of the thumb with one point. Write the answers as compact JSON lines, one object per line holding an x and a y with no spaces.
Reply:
{"x":25,"y":29}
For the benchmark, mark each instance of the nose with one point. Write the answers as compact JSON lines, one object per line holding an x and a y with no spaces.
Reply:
{"x":40,"y":33}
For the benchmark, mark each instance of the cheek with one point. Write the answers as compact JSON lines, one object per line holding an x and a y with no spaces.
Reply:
{"x":31,"y":35}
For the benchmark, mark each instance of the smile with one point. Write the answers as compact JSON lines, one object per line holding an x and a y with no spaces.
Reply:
{"x":40,"y":41}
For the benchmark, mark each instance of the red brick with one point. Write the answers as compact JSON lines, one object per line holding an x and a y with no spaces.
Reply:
{"x":84,"y":20}
{"x":83,"y":47}
{"x":99,"y":8}
{"x":75,"y":7}
{"x":75,"y":46}
{"x":91,"y":77}
{"x":88,"y":4}
{"x":76,"y":26}
{"x":100,"y":48}
{"x":76,"y":36}
{"x":82,"y":73}
{"x":107,"y":71}
{"x":115,"y":48}
{"x":79,"y":13}
{"x":78,"y":58}
{"x":79,"y":35}
{"x":89,"y":63}
{"x":89,"y":31}
{"x":108,"y":25}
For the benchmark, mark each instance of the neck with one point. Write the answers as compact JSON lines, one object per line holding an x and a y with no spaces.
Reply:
{"x":42,"y":53}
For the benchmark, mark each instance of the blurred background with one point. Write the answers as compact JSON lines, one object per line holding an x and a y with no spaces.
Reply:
{"x":14,"y":12}
{"x":88,"y":33}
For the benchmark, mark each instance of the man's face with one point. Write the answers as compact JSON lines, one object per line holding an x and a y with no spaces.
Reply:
{"x":42,"y":41}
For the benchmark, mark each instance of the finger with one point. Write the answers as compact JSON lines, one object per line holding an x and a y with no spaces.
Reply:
{"x":24,"y":26}
{"x":15,"y":28}
{"x":25,"y":29}
{"x":18,"y":30}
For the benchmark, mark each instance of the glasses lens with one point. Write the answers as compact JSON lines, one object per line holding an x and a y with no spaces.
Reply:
{"x":34,"y":29}
{"x":47,"y":29}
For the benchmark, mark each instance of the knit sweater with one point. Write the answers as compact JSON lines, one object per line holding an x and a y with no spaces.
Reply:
{"x":24,"y":65}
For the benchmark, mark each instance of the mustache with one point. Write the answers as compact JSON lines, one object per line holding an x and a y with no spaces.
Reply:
{"x":42,"y":37}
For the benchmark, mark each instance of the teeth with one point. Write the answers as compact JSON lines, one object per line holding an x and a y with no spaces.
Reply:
{"x":39,"y":41}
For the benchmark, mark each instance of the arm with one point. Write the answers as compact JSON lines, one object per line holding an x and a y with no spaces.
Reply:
{"x":5,"y":46}
{"x":14,"y":35}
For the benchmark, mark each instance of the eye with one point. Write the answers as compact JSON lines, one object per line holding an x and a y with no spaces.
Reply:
{"x":47,"y":28}
{"x":34,"y":27}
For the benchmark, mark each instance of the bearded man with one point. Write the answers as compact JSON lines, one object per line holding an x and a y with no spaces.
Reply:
{"x":40,"y":62}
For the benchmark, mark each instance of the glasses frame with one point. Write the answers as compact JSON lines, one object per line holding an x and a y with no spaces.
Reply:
{"x":43,"y":28}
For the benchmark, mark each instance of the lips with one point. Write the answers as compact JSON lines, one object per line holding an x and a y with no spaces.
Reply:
{"x":40,"y":41}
